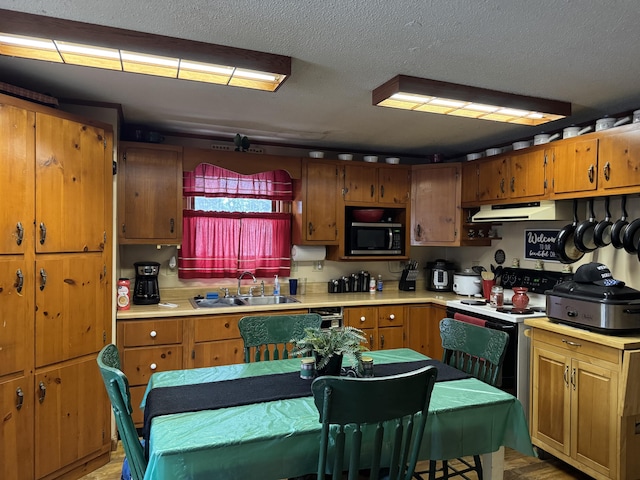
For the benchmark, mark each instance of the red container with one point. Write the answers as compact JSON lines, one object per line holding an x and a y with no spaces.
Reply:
{"x":368,"y":215}
{"x":123,"y":299}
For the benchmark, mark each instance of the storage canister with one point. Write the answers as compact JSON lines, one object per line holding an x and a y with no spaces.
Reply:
{"x":496,"y":298}
{"x":124,"y":294}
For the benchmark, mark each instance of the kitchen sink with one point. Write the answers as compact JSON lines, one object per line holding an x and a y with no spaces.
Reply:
{"x":269,"y":300}
{"x":199,"y":302}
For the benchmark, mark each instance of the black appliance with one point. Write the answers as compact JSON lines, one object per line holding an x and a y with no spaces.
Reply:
{"x":408,"y":277}
{"x":440,"y":276}
{"x":146,"y":291}
{"x":365,"y":238}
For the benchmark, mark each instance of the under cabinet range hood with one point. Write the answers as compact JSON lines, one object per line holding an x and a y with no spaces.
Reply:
{"x":542,"y":210}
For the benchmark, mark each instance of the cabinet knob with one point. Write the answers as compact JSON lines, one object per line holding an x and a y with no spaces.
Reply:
{"x":363,"y":318}
{"x":153,"y":334}
{"x":153,"y":366}
{"x":392,"y":317}
{"x":591,"y":174}
{"x":606,"y":170}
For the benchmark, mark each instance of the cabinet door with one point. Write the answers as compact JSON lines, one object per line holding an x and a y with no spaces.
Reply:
{"x":150,"y":195}
{"x":320,"y":203}
{"x":140,"y":363}
{"x":435,"y":205}
{"x":469,"y":192}
{"x":72,"y":415}
{"x":16,"y":428}
{"x":17,"y":148}
{"x":527,"y":174}
{"x":493,"y":180}
{"x":360,"y":183}
{"x":423,"y":329}
{"x":619,"y":160}
{"x":551,"y":396}
{"x":221,"y":352}
{"x":361,"y":317}
{"x":70,"y":310}
{"x":594,"y":416}
{"x":390,"y":337}
{"x":16,"y":314}
{"x":71,"y":168}
{"x":575,"y":165}
{"x":394,"y":185}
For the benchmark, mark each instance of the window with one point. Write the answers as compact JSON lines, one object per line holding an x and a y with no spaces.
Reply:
{"x":235,"y":222}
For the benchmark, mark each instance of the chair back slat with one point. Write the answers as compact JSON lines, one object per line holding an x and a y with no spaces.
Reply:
{"x":117,"y":387}
{"x":476,"y":350}
{"x":267,"y":337}
{"x":393,"y":424}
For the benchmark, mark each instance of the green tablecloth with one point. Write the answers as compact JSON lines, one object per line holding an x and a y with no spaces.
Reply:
{"x":280,"y":439}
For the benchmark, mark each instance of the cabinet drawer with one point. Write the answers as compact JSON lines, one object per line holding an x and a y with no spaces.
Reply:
{"x":392,"y":315}
{"x":150,"y":332}
{"x":578,"y":346}
{"x":140,"y":363}
{"x":361,"y":317}
{"x":221,"y":327}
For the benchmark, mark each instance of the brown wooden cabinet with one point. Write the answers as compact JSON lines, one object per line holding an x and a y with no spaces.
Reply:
{"x":376,"y":184}
{"x":435,"y":205}
{"x":150,"y":194}
{"x":619,"y":162}
{"x":584,"y":400}
{"x":55,"y":290}
{"x":423,"y":329}
{"x":575,"y":167}
{"x":315,"y":206}
{"x":383,"y":326}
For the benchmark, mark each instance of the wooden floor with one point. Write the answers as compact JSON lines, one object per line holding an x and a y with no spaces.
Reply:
{"x":517,"y":467}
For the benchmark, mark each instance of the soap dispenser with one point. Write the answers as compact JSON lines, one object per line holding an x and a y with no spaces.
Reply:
{"x":276,"y":286}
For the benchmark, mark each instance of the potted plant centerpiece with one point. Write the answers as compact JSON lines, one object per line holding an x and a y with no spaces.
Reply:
{"x":330,"y":345}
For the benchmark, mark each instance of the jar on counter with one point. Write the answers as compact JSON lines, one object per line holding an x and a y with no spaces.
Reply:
{"x":496,"y":297}
{"x":123,"y":299}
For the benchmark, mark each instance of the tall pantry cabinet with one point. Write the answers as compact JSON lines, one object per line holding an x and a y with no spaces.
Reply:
{"x":55,"y":291}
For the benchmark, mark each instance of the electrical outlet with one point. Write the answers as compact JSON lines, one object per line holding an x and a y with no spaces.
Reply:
{"x":294,"y":267}
{"x":318,"y":266}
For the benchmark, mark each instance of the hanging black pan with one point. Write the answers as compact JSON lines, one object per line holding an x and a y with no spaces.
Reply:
{"x":602,"y":232}
{"x":583,"y":236}
{"x":631,"y":236}
{"x":565,"y":246}
{"x":618,"y":228}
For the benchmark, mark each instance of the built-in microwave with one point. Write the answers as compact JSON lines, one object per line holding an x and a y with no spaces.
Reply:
{"x":375,"y":238}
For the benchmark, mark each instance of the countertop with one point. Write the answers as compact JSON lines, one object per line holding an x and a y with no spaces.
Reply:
{"x":180,"y":298}
{"x":621,"y":342}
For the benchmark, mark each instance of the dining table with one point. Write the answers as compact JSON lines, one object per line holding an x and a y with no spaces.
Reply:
{"x":280,"y":438}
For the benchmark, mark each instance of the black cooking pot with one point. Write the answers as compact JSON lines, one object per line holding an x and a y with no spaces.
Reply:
{"x":631,"y":236}
{"x":565,"y":246}
{"x":618,"y":228}
{"x":602,"y":232}
{"x":584,"y":235}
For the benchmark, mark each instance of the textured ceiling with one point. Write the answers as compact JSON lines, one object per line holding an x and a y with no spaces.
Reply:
{"x":580,"y":51}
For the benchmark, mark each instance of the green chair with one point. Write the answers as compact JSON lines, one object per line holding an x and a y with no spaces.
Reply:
{"x":117,"y":387}
{"x":269,"y":337}
{"x":392,"y":409}
{"x":476,"y":350}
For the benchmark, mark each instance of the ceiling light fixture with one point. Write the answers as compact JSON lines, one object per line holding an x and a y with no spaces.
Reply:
{"x":76,"y":43}
{"x":422,"y":95}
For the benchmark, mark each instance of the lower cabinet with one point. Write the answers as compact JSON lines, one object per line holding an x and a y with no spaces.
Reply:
{"x":423,"y":329}
{"x":383,"y":326}
{"x":580,"y":404}
{"x":16,"y":428}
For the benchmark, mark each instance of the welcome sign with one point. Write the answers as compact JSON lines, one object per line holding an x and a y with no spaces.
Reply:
{"x":541,"y":245}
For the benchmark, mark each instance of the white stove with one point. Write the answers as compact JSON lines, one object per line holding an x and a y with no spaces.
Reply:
{"x":515,"y":370}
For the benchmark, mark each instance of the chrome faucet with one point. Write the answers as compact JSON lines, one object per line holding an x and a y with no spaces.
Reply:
{"x":242,"y":276}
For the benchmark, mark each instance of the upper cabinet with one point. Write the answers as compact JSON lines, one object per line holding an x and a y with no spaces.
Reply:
{"x":150,"y":194}
{"x":435,"y":204}
{"x":315,"y":206}
{"x":370,"y":183}
{"x":575,"y":167}
{"x":619,"y":162}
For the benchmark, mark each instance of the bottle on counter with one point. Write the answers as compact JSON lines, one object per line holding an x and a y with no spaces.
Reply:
{"x":276,"y":286}
{"x":372,"y":285}
{"x":379,"y":285}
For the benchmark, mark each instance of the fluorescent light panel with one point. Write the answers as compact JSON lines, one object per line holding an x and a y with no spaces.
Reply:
{"x":422,"y":95}
{"x":136,"y":62}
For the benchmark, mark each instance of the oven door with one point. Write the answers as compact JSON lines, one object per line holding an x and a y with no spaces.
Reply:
{"x":507,"y":380}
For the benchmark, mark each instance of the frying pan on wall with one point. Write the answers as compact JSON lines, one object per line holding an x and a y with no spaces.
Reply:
{"x":584,"y":235}
{"x":618,"y":228}
{"x":602,"y":232}
{"x":631,"y":236}
{"x":565,"y":246}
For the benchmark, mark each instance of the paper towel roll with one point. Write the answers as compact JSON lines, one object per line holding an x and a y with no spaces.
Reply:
{"x":304,"y":253}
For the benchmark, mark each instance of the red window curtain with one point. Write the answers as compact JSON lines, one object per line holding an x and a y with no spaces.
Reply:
{"x":211,"y":181}
{"x":221,"y":244}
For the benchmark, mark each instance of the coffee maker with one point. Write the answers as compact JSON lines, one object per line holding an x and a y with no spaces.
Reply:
{"x":146,"y":291}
